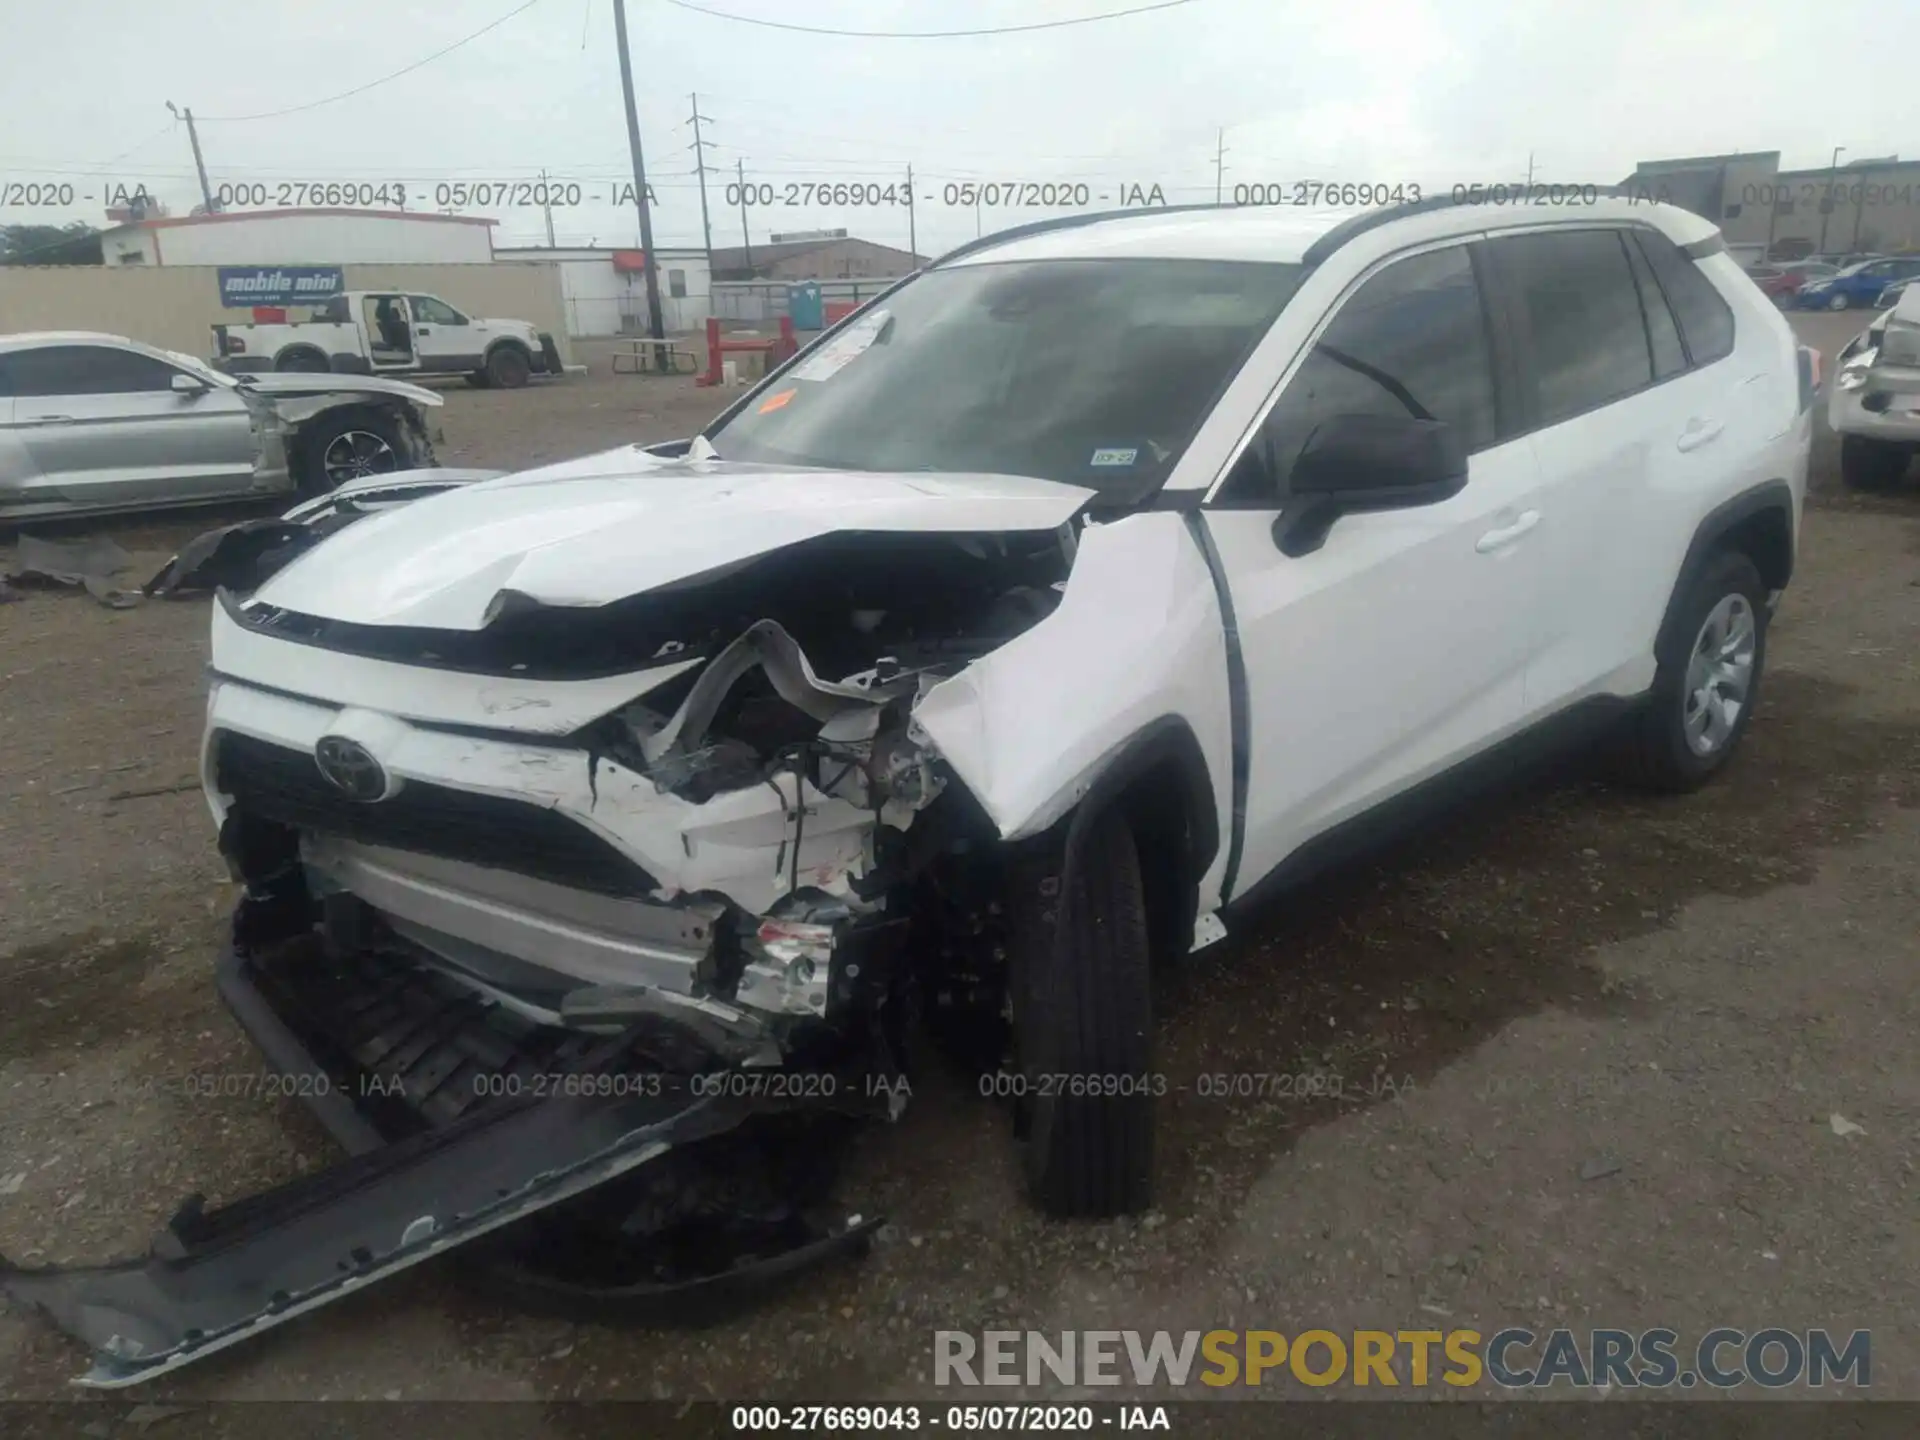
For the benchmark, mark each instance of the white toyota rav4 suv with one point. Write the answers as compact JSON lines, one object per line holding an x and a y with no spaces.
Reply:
{"x":1021,"y":633}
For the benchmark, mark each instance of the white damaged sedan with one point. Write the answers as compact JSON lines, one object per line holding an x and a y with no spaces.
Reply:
{"x":96,"y":424}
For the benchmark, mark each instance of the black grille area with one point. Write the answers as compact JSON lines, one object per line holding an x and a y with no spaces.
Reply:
{"x":284,"y":785}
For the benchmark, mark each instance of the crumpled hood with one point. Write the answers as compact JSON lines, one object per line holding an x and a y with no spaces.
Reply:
{"x":595,"y":530}
{"x":283,"y":385}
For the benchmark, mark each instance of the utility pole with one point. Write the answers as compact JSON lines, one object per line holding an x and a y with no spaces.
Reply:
{"x":193,"y":135}
{"x":546,"y":204}
{"x":1220,"y":166}
{"x":699,"y":148}
{"x":913,"y":244}
{"x":740,"y":171}
{"x":1529,"y":172}
{"x":654,"y":325}
{"x":1826,"y":211}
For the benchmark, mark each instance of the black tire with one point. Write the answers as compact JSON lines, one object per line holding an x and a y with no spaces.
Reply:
{"x":317,"y":473}
{"x":1867,"y":464}
{"x":1083,"y":1017}
{"x":1654,"y":752}
{"x":302,"y":362}
{"x":479,"y":380}
{"x":508,"y":367}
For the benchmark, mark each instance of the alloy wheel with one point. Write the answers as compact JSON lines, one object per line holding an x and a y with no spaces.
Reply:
{"x":1720,"y":674}
{"x":356,"y":454}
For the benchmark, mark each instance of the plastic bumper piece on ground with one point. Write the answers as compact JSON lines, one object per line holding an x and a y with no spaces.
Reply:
{"x":213,"y":1278}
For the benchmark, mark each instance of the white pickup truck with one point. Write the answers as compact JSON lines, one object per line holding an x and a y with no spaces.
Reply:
{"x":387,"y":332}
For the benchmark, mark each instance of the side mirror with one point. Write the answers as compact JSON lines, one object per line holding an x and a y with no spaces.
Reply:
{"x":184,"y":384}
{"x":1366,"y":462}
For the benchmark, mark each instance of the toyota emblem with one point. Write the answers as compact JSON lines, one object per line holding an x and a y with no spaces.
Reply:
{"x":350,"y":768}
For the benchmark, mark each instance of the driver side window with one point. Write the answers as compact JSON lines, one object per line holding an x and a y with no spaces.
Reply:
{"x":427,"y":310}
{"x":1410,"y":341}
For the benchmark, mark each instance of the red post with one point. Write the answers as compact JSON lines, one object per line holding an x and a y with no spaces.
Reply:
{"x":788,"y":345}
{"x":712,"y":377}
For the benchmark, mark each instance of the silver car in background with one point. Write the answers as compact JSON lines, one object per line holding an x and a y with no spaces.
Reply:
{"x":92,"y":423}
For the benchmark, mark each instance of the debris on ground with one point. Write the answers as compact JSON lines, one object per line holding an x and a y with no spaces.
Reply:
{"x":90,"y":562}
{"x":1843,"y":1126}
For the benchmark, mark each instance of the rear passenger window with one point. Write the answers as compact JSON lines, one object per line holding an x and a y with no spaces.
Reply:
{"x":1580,"y":306}
{"x":1706,"y":324}
{"x":1662,"y":334}
{"x":1410,"y":341}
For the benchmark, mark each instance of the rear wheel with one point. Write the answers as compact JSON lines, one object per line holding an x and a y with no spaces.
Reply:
{"x":1867,"y":464}
{"x":302,"y":362}
{"x":1837,"y":300}
{"x":1083,"y":1023}
{"x":347,"y":446}
{"x":508,"y":367}
{"x":1707,"y":682}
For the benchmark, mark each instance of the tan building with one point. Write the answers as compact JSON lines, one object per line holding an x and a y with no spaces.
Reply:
{"x":844,"y":257}
{"x":1875,"y":204}
{"x":1726,"y":189}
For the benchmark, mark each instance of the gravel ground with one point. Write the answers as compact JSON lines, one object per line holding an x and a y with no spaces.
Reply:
{"x":1562,"y":982}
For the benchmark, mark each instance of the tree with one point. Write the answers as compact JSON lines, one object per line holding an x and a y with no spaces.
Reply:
{"x":75,"y":244}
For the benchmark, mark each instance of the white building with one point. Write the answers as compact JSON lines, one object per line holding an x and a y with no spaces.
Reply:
{"x":301,"y":237}
{"x":606,"y":289}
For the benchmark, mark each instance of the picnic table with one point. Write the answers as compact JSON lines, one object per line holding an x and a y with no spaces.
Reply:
{"x":666,"y":356}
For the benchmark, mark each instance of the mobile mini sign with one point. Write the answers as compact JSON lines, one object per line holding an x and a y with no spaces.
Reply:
{"x":244,"y":286}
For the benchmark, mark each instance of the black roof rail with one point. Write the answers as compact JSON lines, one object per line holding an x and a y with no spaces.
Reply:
{"x":1346,"y":230}
{"x":1066,"y":222}
{"x":1315,"y":254}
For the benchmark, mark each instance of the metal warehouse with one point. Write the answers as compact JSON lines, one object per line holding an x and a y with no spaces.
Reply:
{"x":301,"y":237}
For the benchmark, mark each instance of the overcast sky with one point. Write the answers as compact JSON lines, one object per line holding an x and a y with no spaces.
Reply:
{"x":1434,"y":91}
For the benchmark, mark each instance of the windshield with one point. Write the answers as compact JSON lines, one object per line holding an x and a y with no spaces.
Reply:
{"x":1095,"y":372}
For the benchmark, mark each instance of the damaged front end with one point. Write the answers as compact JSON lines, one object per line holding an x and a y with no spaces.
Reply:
{"x":588,"y":932}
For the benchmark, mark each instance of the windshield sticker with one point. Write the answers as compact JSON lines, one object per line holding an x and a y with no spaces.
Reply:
{"x":774,"y":402}
{"x":1114,"y":457}
{"x":843,"y":349}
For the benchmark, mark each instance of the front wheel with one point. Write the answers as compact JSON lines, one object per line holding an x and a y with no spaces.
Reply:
{"x":1706,"y":683}
{"x":347,"y":446}
{"x":508,"y":367}
{"x":1837,"y":301}
{"x":1867,"y":464}
{"x":1083,"y":1026}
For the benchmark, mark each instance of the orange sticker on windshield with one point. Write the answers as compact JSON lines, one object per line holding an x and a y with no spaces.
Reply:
{"x":774,"y":402}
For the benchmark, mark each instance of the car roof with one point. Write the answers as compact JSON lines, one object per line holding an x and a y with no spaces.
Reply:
{"x":27,"y":339}
{"x":1286,"y":234}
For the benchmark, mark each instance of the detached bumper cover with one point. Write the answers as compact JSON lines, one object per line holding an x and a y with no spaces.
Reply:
{"x":213,"y":1278}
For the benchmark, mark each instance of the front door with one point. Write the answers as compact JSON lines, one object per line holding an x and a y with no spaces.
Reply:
{"x":102,"y":426}
{"x":443,"y":339}
{"x":1401,"y":645}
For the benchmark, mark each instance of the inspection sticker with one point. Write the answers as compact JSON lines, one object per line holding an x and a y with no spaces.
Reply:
{"x":1115,"y":456}
{"x":843,"y":349}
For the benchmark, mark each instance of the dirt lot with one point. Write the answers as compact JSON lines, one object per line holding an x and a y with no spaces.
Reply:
{"x":1568,"y":980}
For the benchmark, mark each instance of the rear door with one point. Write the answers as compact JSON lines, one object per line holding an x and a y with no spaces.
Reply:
{"x":1400,"y":646}
{"x":103,"y":426}
{"x":387,"y":323}
{"x":1636,"y":422}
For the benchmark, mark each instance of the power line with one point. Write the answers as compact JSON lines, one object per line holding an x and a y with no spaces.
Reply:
{"x":362,"y":89}
{"x":927,"y":34}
